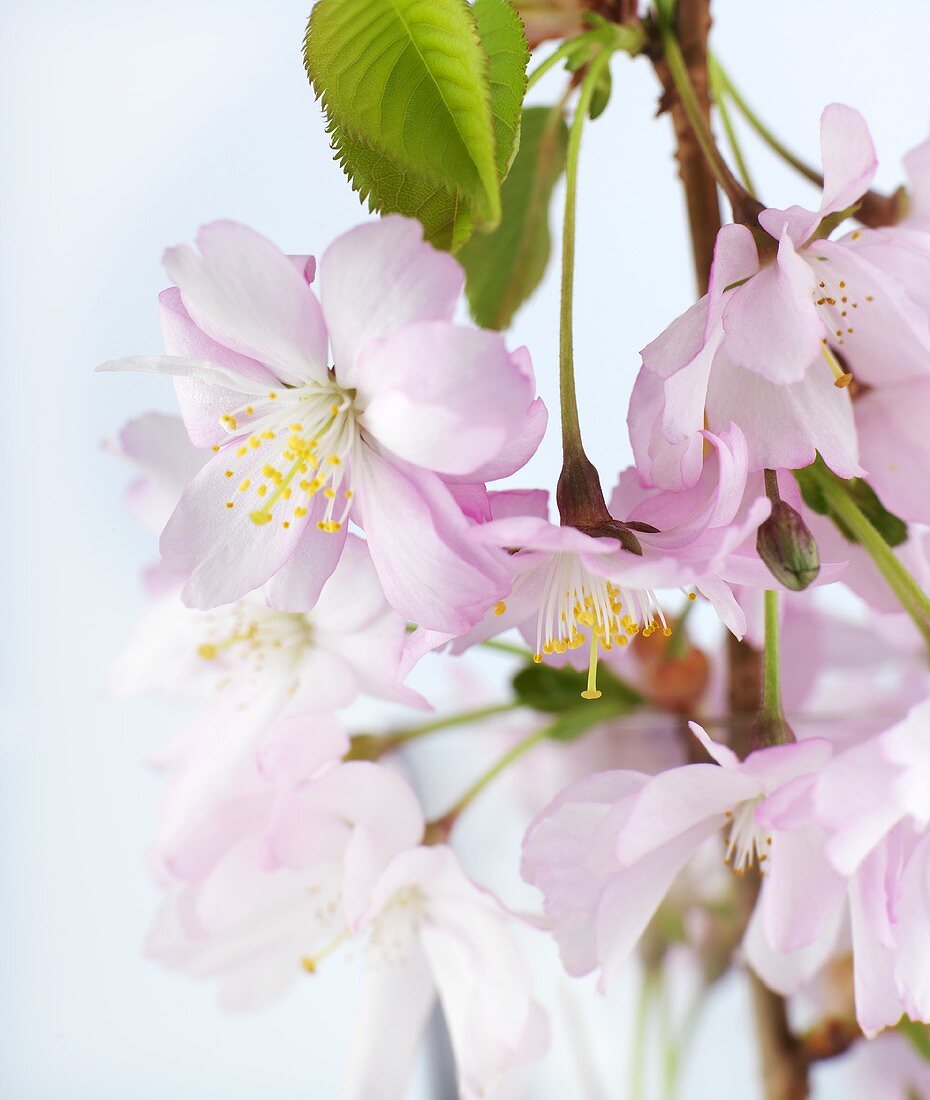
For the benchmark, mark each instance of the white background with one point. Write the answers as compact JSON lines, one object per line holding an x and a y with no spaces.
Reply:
{"x":123,"y":126}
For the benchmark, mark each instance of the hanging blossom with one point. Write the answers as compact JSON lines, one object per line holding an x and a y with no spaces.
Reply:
{"x":872,"y":803}
{"x":893,"y":405}
{"x":308,"y":854}
{"x":607,"y":850}
{"x":304,"y":443}
{"x":775,"y":342}
{"x":573,"y":591}
{"x":255,"y":666}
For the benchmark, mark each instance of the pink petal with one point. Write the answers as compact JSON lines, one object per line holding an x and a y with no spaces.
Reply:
{"x":771,"y":323}
{"x":419,"y":542}
{"x":801,"y":893}
{"x":222,"y":552}
{"x":897,"y":472}
{"x":917,"y":165}
{"x":297,"y":585}
{"x":244,"y":293}
{"x":785,"y":426}
{"x":848,"y":155}
{"x":395,"y":1005}
{"x":885,"y":338}
{"x":378,"y":278}
{"x":441,"y":396}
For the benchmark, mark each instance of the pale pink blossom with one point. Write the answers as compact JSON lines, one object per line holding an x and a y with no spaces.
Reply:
{"x":307,"y":854}
{"x":256,"y":666}
{"x":571,"y":590}
{"x":761,"y":349}
{"x":307,"y":440}
{"x":607,"y":850}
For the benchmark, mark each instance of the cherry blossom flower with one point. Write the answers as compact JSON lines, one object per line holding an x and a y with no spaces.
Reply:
{"x":303,"y":446}
{"x":775,"y":341}
{"x":256,"y":666}
{"x":307,"y":854}
{"x":572,"y":589}
{"x":287,"y":856}
{"x":608,"y":848}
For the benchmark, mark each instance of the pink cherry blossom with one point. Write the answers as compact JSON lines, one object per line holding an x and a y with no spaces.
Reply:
{"x":570,"y":589}
{"x":303,"y":447}
{"x":608,"y":849}
{"x":761,"y":349}
{"x":273,"y":875}
{"x":429,"y":929}
{"x":256,"y":666}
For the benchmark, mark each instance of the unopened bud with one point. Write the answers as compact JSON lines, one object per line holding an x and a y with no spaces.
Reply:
{"x":788,"y":548}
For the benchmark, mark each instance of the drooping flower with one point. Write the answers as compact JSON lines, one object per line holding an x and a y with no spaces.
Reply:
{"x":304,"y":443}
{"x":608,"y":848}
{"x":574,"y":590}
{"x":256,"y":666}
{"x":307,"y":854}
{"x":281,"y":863}
{"x":776,"y":340}
{"x":430,"y":930}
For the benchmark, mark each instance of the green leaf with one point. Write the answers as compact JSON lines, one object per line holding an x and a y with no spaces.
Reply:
{"x":500,"y":29}
{"x":557,"y":690}
{"x":390,"y":189}
{"x":601,"y":96}
{"x":408,"y":79}
{"x":506,"y":266}
{"x":892,"y":529}
{"x":918,"y":1034}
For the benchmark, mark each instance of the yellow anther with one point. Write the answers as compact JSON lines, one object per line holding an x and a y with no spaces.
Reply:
{"x":215,"y":447}
{"x":299,"y":513}
{"x":207,"y":651}
{"x":286,"y":523}
{"x":692,"y":595}
{"x":229,"y":473}
{"x":272,"y":395}
{"x":245,"y":484}
{"x":229,"y":504}
{"x":254,"y":442}
{"x":537,"y":658}
{"x":334,"y":460}
{"x":308,"y":964}
{"x":329,"y":494}
{"x":249,"y":410}
{"x":243,"y":450}
{"x":261,"y":490}
{"x":348,"y":494}
{"x":260,"y":517}
{"x":500,"y":607}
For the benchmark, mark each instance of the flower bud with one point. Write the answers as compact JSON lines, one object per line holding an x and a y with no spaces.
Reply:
{"x":788,"y":548}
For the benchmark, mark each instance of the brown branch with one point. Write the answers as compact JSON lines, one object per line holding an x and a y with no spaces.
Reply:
{"x":697,"y":178}
{"x":784,"y":1060}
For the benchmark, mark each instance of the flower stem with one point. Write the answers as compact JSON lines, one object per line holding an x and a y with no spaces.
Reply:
{"x":571,"y":428}
{"x":771,"y":666}
{"x":720,"y":79}
{"x":437,"y":831}
{"x":875,"y":209}
{"x":507,"y":647}
{"x":720,"y":100}
{"x":745,"y":207}
{"x":911,"y":596}
{"x":372,"y":746}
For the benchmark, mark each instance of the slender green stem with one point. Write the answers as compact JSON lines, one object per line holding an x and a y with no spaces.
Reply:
{"x":437,"y":831}
{"x":911,"y":596}
{"x":571,"y":428}
{"x":507,"y":647}
{"x":374,"y":746}
{"x":721,"y":79}
{"x":771,"y":669}
{"x":720,"y":99}
{"x":551,"y":61}
{"x":740,"y":199}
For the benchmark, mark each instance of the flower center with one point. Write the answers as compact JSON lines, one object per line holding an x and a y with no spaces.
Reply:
{"x":307,"y":434}
{"x":839,"y":305}
{"x":747,"y":843}
{"x":247,"y":634}
{"x":578,"y":606}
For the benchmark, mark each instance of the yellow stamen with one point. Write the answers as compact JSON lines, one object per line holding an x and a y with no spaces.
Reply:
{"x":592,"y":692}
{"x":841,"y":378}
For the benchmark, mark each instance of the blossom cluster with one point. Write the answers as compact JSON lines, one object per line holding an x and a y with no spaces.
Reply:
{"x":328,"y":519}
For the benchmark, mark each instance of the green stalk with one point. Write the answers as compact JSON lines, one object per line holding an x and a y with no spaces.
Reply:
{"x":568,"y":402}
{"x":771,"y":668}
{"x":373,"y":746}
{"x":911,"y":596}
{"x":718,"y":90}
{"x":720,"y":78}
{"x":437,"y":831}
